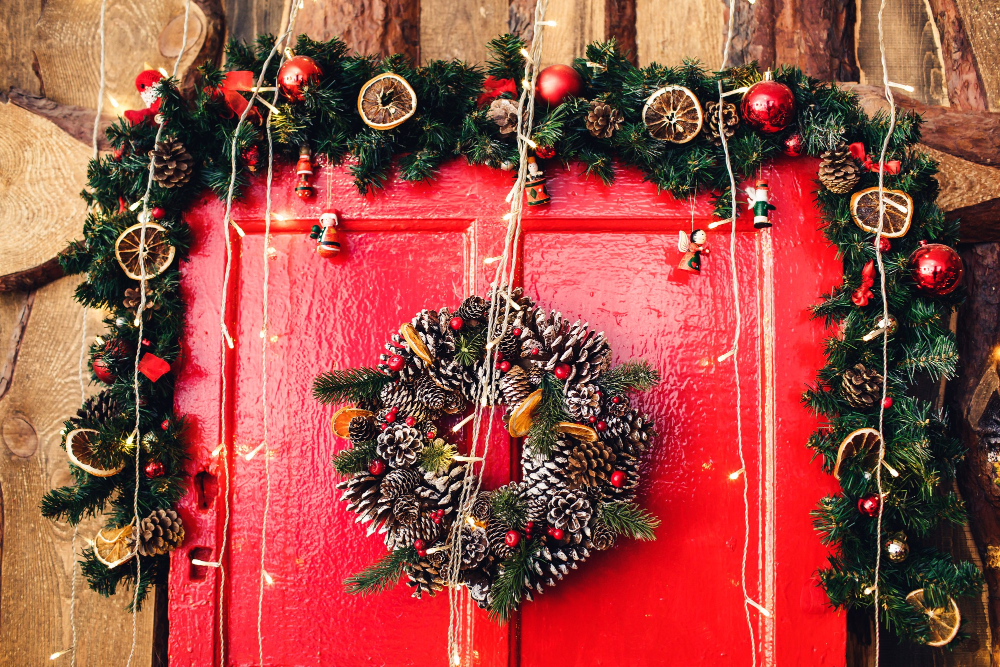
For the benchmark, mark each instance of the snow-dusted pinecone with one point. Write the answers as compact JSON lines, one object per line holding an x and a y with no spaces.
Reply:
{"x":496,"y":534}
{"x":399,"y":445}
{"x":585,"y":352}
{"x":569,"y":510}
{"x":361,"y":429}
{"x":475,"y":546}
{"x":431,"y":395}
{"x":601,"y":537}
{"x":619,"y":407}
{"x":446,"y":490}
{"x":424,"y":577}
{"x":481,"y":506}
{"x":473,"y":311}
{"x":453,"y":376}
{"x":510,"y":347}
{"x":552,"y":564}
{"x":589,"y":463}
{"x":413,"y":365}
{"x":406,"y":509}
{"x":515,"y":387}
{"x":629,"y":434}
{"x":544,"y":475}
{"x":538,"y":507}
{"x":583,"y":401}
{"x":362,"y":495}
{"x":629,"y":465}
{"x":399,"y":482}
{"x":403,"y":395}
{"x":479,"y":587}
{"x":427,"y":324}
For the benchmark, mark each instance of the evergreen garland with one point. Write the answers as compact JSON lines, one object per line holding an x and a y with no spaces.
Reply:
{"x":449,"y":122}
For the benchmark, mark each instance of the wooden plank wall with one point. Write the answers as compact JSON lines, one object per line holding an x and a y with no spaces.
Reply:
{"x":50,"y":48}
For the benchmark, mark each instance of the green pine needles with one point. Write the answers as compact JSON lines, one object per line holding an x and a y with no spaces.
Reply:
{"x":354,"y":385}
{"x":627,"y":518}
{"x":383,"y":574}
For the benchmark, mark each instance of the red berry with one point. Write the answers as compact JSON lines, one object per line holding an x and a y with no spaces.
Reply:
{"x":410,"y":421}
{"x":556,"y":533}
{"x":154,"y":469}
{"x":395,"y":363}
{"x":530,"y":525}
{"x":383,"y":426}
{"x":394,"y":409}
{"x":516,"y":332}
{"x":534,"y":351}
{"x":430,"y":435}
{"x":618,"y":479}
{"x":418,"y":545}
{"x":391,"y":417}
{"x":165,"y":424}
{"x":602,"y":426}
{"x":512,"y":538}
{"x":884,"y":244}
{"x":616,"y":400}
{"x":561,"y":371}
{"x":436,"y":518}
{"x":422,"y":553}
{"x":887,"y":402}
{"x":592,"y":419}
{"x":456,"y":323}
{"x":158,"y":213}
{"x":376,"y":467}
{"x":504,"y":366}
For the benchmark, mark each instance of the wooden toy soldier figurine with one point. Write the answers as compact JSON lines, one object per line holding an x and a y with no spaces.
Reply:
{"x":327,"y":237}
{"x":304,"y":170}
{"x":692,"y":246}
{"x":534,"y":185}
{"x":758,"y":200}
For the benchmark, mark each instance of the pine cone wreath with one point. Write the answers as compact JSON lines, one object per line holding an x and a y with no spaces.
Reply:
{"x":160,"y":532}
{"x":453,"y":376}
{"x":569,"y":510}
{"x":361,"y":429}
{"x":583,"y":401}
{"x":515,"y":387}
{"x":589,"y":464}
{"x":475,"y":546}
{"x":172,"y":163}
{"x":603,"y":120}
{"x":839,"y":171}
{"x":399,"y":482}
{"x":424,"y":577}
{"x":862,"y":386}
{"x":96,"y":411}
{"x":399,"y":445}
{"x":503,"y":112}
{"x":730,"y":120}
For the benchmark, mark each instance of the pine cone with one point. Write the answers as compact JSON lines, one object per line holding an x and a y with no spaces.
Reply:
{"x":629,"y":434}
{"x":583,"y":401}
{"x":172,"y":164}
{"x":510,"y":347}
{"x":619,"y":407}
{"x":839,"y":171}
{"x":569,"y":511}
{"x":589,"y":464}
{"x":730,"y":119}
{"x":160,"y":532}
{"x":602,"y":537}
{"x":551,"y":565}
{"x":96,"y":411}
{"x":454,"y":377}
{"x":362,"y":495}
{"x":496,"y":535}
{"x":862,"y":386}
{"x":361,"y":429}
{"x":481,"y":506}
{"x":413,"y":366}
{"x":503,"y":112}
{"x":629,"y":465}
{"x":133,"y":297}
{"x":406,"y":510}
{"x":603,"y":120}
{"x":475,"y":546}
{"x":479,"y":588}
{"x":403,"y":395}
{"x":473,"y":310}
{"x":399,"y":445}
{"x":425,"y":577}
{"x":431,"y":330}
{"x":515,"y":387}
{"x":398,"y":483}
{"x":586,"y":353}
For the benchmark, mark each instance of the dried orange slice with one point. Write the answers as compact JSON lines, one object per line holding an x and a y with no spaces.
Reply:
{"x":416,"y":345}
{"x":342,"y":419}
{"x":673,"y":114}
{"x":578,"y":431}
{"x":943,"y":621}
{"x":158,"y":252}
{"x":861,"y":440}
{"x":521,"y":417}
{"x":386,"y":101}
{"x":78,"y":449}
{"x":114,"y":546}
{"x":898,"y":212}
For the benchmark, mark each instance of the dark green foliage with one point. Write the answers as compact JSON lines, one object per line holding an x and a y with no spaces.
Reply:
{"x":630,"y":376}
{"x":551,"y":410}
{"x":383,"y":574}
{"x":354,"y":459}
{"x":436,"y":456}
{"x":627,"y":518}
{"x":507,"y":506}
{"x":470,"y":346}
{"x":511,"y":583}
{"x":354,"y":385}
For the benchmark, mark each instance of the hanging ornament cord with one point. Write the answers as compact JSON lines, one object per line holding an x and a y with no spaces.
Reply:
{"x":459,"y":624}
{"x":885,"y":318}
{"x":136,"y":435}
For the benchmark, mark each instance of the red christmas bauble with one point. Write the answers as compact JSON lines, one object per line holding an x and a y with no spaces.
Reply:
{"x":165,"y":424}
{"x":395,"y":363}
{"x":556,"y":83}
{"x":296,"y":75}
{"x":512,"y":538}
{"x":157,"y":213}
{"x":868,"y":505}
{"x":154,"y":469}
{"x":545,"y":152}
{"x":618,"y":479}
{"x":102,"y":371}
{"x":561,"y":371}
{"x":456,"y":323}
{"x":887,"y":402}
{"x":376,"y":467}
{"x":768,"y":106}
{"x":793,"y":144}
{"x":936,"y":269}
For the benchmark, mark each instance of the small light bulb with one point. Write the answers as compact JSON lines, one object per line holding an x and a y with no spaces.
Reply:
{"x":113,"y":101}
{"x":163,"y":71}
{"x":524,"y":52}
{"x":723,"y":357}
{"x":736,"y":475}
{"x":249,"y":455}
{"x":59,"y":654}
{"x":217,"y":451}
{"x":267,"y":578}
{"x":239,"y":230}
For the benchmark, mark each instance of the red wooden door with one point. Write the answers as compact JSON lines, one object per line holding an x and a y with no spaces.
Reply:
{"x":606,"y":255}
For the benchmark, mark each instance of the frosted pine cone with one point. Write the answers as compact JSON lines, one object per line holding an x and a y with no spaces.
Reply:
{"x":406,"y":509}
{"x":362,"y":495}
{"x":399,"y":445}
{"x":630,"y":434}
{"x":361,"y":429}
{"x":413,"y":365}
{"x":601,"y":537}
{"x":569,"y":510}
{"x":424,"y":577}
{"x":473,"y":311}
{"x":585,"y":352}
{"x":428,"y":326}
{"x":475,"y":546}
{"x":481,"y":506}
{"x":583,"y":401}
{"x":403,"y":395}
{"x":515,"y":387}
{"x":399,"y":482}
{"x":496,"y":534}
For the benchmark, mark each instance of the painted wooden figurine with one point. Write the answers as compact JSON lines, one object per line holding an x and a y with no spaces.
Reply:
{"x":534,"y":185}
{"x":693,"y":246}
{"x":304,"y":171}
{"x":758,"y":200}
{"x":327,"y":237}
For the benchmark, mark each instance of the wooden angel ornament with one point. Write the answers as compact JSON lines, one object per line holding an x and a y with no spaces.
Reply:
{"x":693,"y":245}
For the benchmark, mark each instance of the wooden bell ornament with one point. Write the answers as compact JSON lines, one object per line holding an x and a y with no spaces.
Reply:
{"x":304,"y":170}
{"x":328,"y":241}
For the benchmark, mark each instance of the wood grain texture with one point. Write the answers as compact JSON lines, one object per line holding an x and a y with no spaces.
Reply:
{"x":961,"y":71}
{"x":753,"y":34}
{"x":368,"y":26}
{"x":521,"y":18}
{"x":38,"y":559}
{"x":964,"y":183}
{"x":818,"y":36}
{"x":667,"y":33}
{"x":619,"y":24}
{"x":77,"y":122}
{"x":578,"y":23}
{"x":245,"y":19}
{"x":450,"y":29}
{"x":982,"y":25}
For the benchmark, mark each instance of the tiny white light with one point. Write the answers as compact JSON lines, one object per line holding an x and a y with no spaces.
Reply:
{"x":892,"y":471}
{"x":492,"y":260}
{"x":507,"y":216}
{"x":136,"y":205}
{"x":204,"y":563}
{"x":274,"y":338}
{"x":723,"y":357}
{"x":525,"y":83}
{"x":217,"y":451}
{"x":268,"y":579}
{"x":113,"y":101}
{"x":59,"y":654}
{"x":764,"y":612}
{"x":256,"y":450}
{"x":524,"y":52}
{"x":531,"y":143}
{"x":458,"y":427}
{"x":869,"y":590}
{"x":239,"y":230}
{"x":229,"y":339}
{"x":551,"y":24}
{"x":718,"y":223}
{"x":162,"y":71}
{"x":736,"y":475}
{"x":272,"y":252}
{"x":902,"y":86}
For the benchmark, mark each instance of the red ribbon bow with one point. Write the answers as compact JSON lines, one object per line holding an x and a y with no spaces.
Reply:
{"x":229,"y":89}
{"x":494,"y":88}
{"x":863,"y":294}
{"x":858,"y":151}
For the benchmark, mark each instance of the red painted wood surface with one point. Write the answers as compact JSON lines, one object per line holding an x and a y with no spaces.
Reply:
{"x":603,"y":254}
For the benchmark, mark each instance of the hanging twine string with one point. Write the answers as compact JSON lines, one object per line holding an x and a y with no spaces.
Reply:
{"x":459,"y":625}
{"x":136,"y":435}
{"x":885,"y":320}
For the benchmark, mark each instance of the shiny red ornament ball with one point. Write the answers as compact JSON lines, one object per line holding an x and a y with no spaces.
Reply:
{"x":102,"y":371}
{"x":512,"y":538}
{"x":936,"y":269}
{"x":296,"y":75}
{"x":884,"y":244}
{"x":769,"y":106}
{"x":561,"y":371}
{"x":556,"y":533}
{"x":410,"y":421}
{"x":868,"y":505}
{"x":618,"y":479}
{"x":154,"y":469}
{"x":887,"y":402}
{"x":456,"y":323}
{"x":157,"y":213}
{"x":504,"y":366}
{"x":395,"y":363}
{"x":556,"y":83}
{"x":376,"y":467}
{"x":793,"y":144}
{"x":545,"y":152}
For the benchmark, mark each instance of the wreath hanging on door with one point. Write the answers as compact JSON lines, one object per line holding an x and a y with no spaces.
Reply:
{"x":584,"y":445}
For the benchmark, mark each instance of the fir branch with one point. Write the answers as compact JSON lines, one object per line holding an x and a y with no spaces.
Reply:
{"x":507,"y":506}
{"x":470,"y":346}
{"x":353,"y":385}
{"x":512,"y":580}
{"x":937,"y":358}
{"x":627,"y":518}
{"x":354,"y":460}
{"x":630,"y":376}
{"x":383,"y":574}
{"x":551,"y":410}
{"x":437,"y":456}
